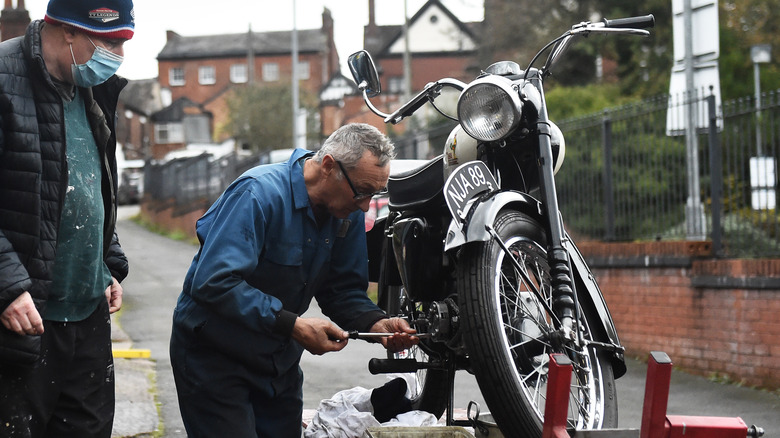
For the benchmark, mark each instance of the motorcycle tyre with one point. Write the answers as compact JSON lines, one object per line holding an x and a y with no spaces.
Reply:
{"x":494,"y":371}
{"x":434,"y":392}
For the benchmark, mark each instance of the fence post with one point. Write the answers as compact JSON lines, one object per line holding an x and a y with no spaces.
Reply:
{"x":716,"y":177}
{"x":609,"y":201}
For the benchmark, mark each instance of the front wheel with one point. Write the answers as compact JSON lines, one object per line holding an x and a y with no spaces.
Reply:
{"x":509,"y":334}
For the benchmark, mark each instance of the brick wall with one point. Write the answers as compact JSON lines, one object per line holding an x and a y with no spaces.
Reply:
{"x":710,"y":316}
{"x":166,"y":216}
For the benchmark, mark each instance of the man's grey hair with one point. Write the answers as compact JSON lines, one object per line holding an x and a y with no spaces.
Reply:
{"x":350,"y":142}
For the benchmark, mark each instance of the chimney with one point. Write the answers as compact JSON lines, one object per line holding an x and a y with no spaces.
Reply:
{"x":332,"y":55}
{"x":371,"y":14}
{"x":13,"y":22}
{"x":371,"y":32}
{"x":171,"y":35}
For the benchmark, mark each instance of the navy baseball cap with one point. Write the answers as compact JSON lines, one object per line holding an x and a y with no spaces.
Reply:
{"x":100,"y":18}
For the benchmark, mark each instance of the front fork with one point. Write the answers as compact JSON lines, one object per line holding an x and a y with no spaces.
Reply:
{"x":564,"y":303}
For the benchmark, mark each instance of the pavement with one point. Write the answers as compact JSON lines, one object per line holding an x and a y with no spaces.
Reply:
{"x":147,"y":405}
{"x":136,"y":409}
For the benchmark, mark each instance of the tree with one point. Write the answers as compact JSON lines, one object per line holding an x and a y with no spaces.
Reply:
{"x":743,"y":24}
{"x":516,"y":30}
{"x":260,"y":117}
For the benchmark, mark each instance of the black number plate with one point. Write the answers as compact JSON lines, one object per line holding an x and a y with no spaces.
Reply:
{"x":465,"y":183}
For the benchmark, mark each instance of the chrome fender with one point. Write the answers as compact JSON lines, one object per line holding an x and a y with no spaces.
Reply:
{"x":472,"y":229}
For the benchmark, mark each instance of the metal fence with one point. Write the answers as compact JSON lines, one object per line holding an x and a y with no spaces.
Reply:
{"x":632,"y":173}
{"x":200,"y":179}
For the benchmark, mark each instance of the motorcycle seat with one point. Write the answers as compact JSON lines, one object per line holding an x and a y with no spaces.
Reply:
{"x":415,"y":188}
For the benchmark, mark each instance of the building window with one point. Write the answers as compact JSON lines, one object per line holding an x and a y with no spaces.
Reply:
{"x":207,"y":75}
{"x":239,"y":73}
{"x":304,"y":71}
{"x":176,"y":76}
{"x":395,"y":85}
{"x":270,"y":72}
{"x":168,"y":133}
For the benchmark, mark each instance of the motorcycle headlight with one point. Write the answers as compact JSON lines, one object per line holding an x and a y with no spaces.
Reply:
{"x":489,"y":109}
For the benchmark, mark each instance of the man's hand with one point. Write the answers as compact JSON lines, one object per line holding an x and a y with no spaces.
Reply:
{"x":403,"y":337}
{"x":114,"y":296}
{"x":22,"y":317}
{"x":319,"y":336}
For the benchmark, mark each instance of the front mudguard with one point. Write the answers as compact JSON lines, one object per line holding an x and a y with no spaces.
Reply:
{"x":484,"y":213}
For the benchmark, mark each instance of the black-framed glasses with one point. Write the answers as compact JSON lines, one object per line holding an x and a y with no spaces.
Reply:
{"x":358,"y":195}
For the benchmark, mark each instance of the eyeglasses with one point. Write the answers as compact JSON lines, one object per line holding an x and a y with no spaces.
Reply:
{"x":358,"y":196}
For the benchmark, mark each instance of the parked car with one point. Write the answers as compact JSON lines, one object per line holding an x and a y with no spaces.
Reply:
{"x":376,"y":209}
{"x":131,"y":186}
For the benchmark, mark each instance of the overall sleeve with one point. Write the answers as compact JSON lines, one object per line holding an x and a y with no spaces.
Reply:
{"x":232,"y":238}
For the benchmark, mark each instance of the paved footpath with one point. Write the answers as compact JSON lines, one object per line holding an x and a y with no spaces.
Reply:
{"x":146,"y":396}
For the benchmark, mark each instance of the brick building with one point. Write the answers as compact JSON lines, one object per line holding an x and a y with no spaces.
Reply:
{"x":206,"y":69}
{"x":440,"y":45}
{"x":137,"y":102}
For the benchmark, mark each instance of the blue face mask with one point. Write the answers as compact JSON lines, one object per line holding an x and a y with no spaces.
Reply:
{"x":97,"y":70}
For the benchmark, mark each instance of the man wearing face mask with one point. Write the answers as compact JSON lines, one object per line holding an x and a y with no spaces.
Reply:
{"x":60,"y":259}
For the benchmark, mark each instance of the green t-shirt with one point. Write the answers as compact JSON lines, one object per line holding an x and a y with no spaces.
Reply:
{"x":80,"y":275}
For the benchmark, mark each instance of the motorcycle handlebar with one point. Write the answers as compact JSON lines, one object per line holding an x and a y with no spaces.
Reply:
{"x":409,"y":107}
{"x":430,"y":91}
{"x":641,"y":22}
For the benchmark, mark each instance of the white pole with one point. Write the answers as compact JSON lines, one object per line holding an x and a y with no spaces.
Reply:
{"x":694,"y":211}
{"x":295,"y":104}
{"x":757,"y":81}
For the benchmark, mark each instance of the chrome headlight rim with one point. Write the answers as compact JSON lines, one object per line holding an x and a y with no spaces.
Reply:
{"x":492,"y":119}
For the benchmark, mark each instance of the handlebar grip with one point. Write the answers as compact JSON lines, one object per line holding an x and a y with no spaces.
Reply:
{"x":408,"y":108}
{"x":642,"y":22}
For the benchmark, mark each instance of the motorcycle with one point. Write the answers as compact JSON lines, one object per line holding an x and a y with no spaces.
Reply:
{"x":474,"y":254}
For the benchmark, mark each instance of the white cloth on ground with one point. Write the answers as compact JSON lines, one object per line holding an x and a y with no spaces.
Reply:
{"x":350,"y":413}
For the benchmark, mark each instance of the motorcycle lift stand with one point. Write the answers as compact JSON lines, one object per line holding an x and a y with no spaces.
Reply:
{"x":655,"y":422}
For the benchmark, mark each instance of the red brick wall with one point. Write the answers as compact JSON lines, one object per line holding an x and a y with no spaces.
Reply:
{"x":426,"y":69}
{"x":166,"y":216}
{"x":710,"y":316}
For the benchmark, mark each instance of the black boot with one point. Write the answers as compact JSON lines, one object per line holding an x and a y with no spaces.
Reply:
{"x":390,"y":400}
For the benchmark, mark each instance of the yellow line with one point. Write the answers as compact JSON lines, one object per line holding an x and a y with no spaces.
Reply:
{"x":132,"y":353}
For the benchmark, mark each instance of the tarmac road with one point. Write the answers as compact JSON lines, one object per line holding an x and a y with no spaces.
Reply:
{"x":157,"y":268}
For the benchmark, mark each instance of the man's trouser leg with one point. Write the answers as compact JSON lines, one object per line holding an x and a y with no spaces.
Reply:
{"x":71,"y":392}
{"x":220,"y":397}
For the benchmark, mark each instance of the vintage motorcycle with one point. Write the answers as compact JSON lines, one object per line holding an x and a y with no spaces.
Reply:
{"x":473,"y":252}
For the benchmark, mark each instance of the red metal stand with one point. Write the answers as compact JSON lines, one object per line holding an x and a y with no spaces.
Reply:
{"x":655,"y":422}
{"x":556,"y":407}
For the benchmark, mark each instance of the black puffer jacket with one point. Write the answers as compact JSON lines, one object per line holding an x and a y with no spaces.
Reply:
{"x":33,"y":168}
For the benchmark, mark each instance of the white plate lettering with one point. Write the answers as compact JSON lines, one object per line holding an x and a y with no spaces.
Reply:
{"x":464,"y":184}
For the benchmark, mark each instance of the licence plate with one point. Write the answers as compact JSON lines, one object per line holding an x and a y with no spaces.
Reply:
{"x":464,"y":184}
